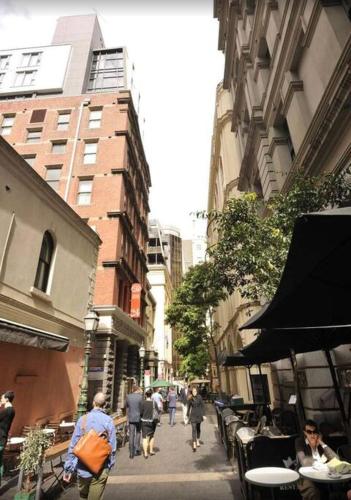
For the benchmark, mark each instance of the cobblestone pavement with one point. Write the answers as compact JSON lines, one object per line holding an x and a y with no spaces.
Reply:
{"x":175,"y":472}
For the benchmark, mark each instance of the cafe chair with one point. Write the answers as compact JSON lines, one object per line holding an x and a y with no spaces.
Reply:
{"x":263,"y":451}
{"x":344,"y":452}
{"x":288,"y":423}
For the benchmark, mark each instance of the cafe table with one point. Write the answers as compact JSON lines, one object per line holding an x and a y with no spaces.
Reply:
{"x":271,"y":477}
{"x":15,"y":441}
{"x":323,"y":476}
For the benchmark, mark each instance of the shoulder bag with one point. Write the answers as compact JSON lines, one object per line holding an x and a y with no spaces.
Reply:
{"x":92,"y":448}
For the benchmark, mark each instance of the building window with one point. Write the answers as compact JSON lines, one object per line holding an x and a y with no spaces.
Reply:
{"x":38,"y":116}
{"x":53,"y":173}
{"x":31,"y":59}
{"x":4,"y":62}
{"x":95,"y":118}
{"x":2,"y":75}
{"x":30,"y":159}
{"x":25,"y":78}
{"x":63,"y":121}
{"x":7,"y":124}
{"x":59,"y":148}
{"x":107,"y":71}
{"x":44,"y":264}
{"x":90,"y":151}
{"x":84,"y":192}
{"x":34,"y":135}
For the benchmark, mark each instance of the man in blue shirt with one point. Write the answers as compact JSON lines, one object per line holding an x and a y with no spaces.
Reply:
{"x":91,"y":486}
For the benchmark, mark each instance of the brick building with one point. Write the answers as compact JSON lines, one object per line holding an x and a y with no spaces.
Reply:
{"x":68,"y":110}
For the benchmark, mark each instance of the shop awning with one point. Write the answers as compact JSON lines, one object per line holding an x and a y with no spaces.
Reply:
{"x":273,"y":345}
{"x":315,"y":288}
{"x":16,"y":333}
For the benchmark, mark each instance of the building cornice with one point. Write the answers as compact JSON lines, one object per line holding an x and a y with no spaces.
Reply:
{"x":116,"y":322}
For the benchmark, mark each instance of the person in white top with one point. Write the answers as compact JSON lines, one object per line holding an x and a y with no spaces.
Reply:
{"x":157,"y":397}
{"x":183,"y":397}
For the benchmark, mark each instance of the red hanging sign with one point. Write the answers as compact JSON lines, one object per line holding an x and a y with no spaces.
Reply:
{"x":135,"y":301}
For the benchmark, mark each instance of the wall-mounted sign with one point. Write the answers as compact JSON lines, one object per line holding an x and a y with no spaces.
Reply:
{"x":135,"y":301}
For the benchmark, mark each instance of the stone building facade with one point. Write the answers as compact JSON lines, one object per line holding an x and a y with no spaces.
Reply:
{"x":43,"y":243}
{"x":78,"y":128}
{"x":288,"y":73}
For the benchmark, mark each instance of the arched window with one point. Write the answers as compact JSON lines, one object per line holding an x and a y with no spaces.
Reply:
{"x":44,"y":264}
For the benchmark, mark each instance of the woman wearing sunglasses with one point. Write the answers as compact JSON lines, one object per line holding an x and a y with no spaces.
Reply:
{"x":310,"y":449}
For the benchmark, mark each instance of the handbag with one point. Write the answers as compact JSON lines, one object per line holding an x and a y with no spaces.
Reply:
{"x":92,"y":448}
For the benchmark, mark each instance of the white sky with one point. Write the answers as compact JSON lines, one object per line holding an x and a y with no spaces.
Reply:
{"x":173,"y":44}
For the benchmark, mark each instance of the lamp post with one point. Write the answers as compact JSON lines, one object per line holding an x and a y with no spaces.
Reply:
{"x":142,"y":356}
{"x":91,"y":322}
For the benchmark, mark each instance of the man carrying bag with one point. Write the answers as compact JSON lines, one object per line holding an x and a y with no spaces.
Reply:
{"x":92,"y":451}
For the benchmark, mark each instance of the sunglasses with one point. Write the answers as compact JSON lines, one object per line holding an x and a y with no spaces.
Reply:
{"x":308,"y":431}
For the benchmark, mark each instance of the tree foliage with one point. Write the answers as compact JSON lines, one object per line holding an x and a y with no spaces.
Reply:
{"x":254,"y":237}
{"x":201,"y":289}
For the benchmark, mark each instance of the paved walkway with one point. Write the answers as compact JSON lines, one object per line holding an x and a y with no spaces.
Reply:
{"x":175,"y":472}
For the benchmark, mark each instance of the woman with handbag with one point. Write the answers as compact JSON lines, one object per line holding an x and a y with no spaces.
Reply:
{"x":195,"y":414}
{"x":149,"y":418}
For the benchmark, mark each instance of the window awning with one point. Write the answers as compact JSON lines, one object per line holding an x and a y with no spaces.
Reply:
{"x":16,"y":333}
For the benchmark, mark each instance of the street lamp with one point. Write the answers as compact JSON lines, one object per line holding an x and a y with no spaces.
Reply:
{"x":142,"y":356}
{"x":91,"y":322}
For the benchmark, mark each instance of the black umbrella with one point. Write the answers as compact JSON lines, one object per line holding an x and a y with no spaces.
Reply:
{"x":315,"y":288}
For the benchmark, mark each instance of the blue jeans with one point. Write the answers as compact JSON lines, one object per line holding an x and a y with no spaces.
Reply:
{"x":172,"y":412}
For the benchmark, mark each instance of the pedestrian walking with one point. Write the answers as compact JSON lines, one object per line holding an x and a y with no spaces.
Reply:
{"x":157,"y":397}
{"x":7,"y":414}
{"x":91,"y":485}
{"x":172,"y":405}
{"x":196,"y":414}
{"x":133,"y":405}
{"x":149,"y":419}
{"x":183,"y":396}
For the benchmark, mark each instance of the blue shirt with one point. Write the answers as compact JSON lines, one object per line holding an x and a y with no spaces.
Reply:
{"x":172,"y":399}
{"x":100,"y":422}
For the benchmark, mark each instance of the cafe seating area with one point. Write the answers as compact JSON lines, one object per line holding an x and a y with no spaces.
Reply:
{"x":258,"y":440}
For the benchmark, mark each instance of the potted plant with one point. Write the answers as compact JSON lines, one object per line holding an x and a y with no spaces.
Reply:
{"x":31,"y":459}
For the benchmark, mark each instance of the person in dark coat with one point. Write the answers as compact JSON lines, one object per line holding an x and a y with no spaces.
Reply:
{"x":196,"y":414}
{"x":7,"y":414}
{"x":133,"y":405}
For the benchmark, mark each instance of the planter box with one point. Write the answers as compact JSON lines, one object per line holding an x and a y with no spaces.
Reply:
{"x":22,"y":495}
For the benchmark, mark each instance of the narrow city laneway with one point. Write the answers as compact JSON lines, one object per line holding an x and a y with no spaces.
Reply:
{"x":175,"y":471}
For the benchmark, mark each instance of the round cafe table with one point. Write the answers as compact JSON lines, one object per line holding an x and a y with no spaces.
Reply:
{"x":15,"y":441}
{"x":323,"y":476}
{"x":271,"y":477}
{"x":65,"y":425}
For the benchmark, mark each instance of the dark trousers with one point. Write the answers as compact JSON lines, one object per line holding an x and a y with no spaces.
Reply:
{"x":196,"y":429}
{"x":134,"y":437}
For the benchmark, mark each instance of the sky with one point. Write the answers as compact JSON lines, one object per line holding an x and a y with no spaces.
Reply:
{"x":173,"y":44}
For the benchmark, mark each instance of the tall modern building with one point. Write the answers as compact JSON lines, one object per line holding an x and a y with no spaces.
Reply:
{"x":69,"y":110}
{"x":284,"y":108}
{"x":165,"y":275}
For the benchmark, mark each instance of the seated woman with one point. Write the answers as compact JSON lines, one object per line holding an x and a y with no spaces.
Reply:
{"x":311,"y":449}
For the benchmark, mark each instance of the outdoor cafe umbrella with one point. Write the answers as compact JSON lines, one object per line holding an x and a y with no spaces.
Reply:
{"x":315,"y":288}
{"x":160,"y":383}
{"x":314,"y":292}
{"x":273,"y":345}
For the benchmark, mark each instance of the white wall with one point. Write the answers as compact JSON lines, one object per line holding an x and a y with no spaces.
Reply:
{"x":51,"y":69}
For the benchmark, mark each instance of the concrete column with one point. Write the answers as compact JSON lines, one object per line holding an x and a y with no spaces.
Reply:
{"x":101,"y":368}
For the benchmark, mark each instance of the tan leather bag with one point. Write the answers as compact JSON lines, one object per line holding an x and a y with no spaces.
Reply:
{"x":92,"y":448}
